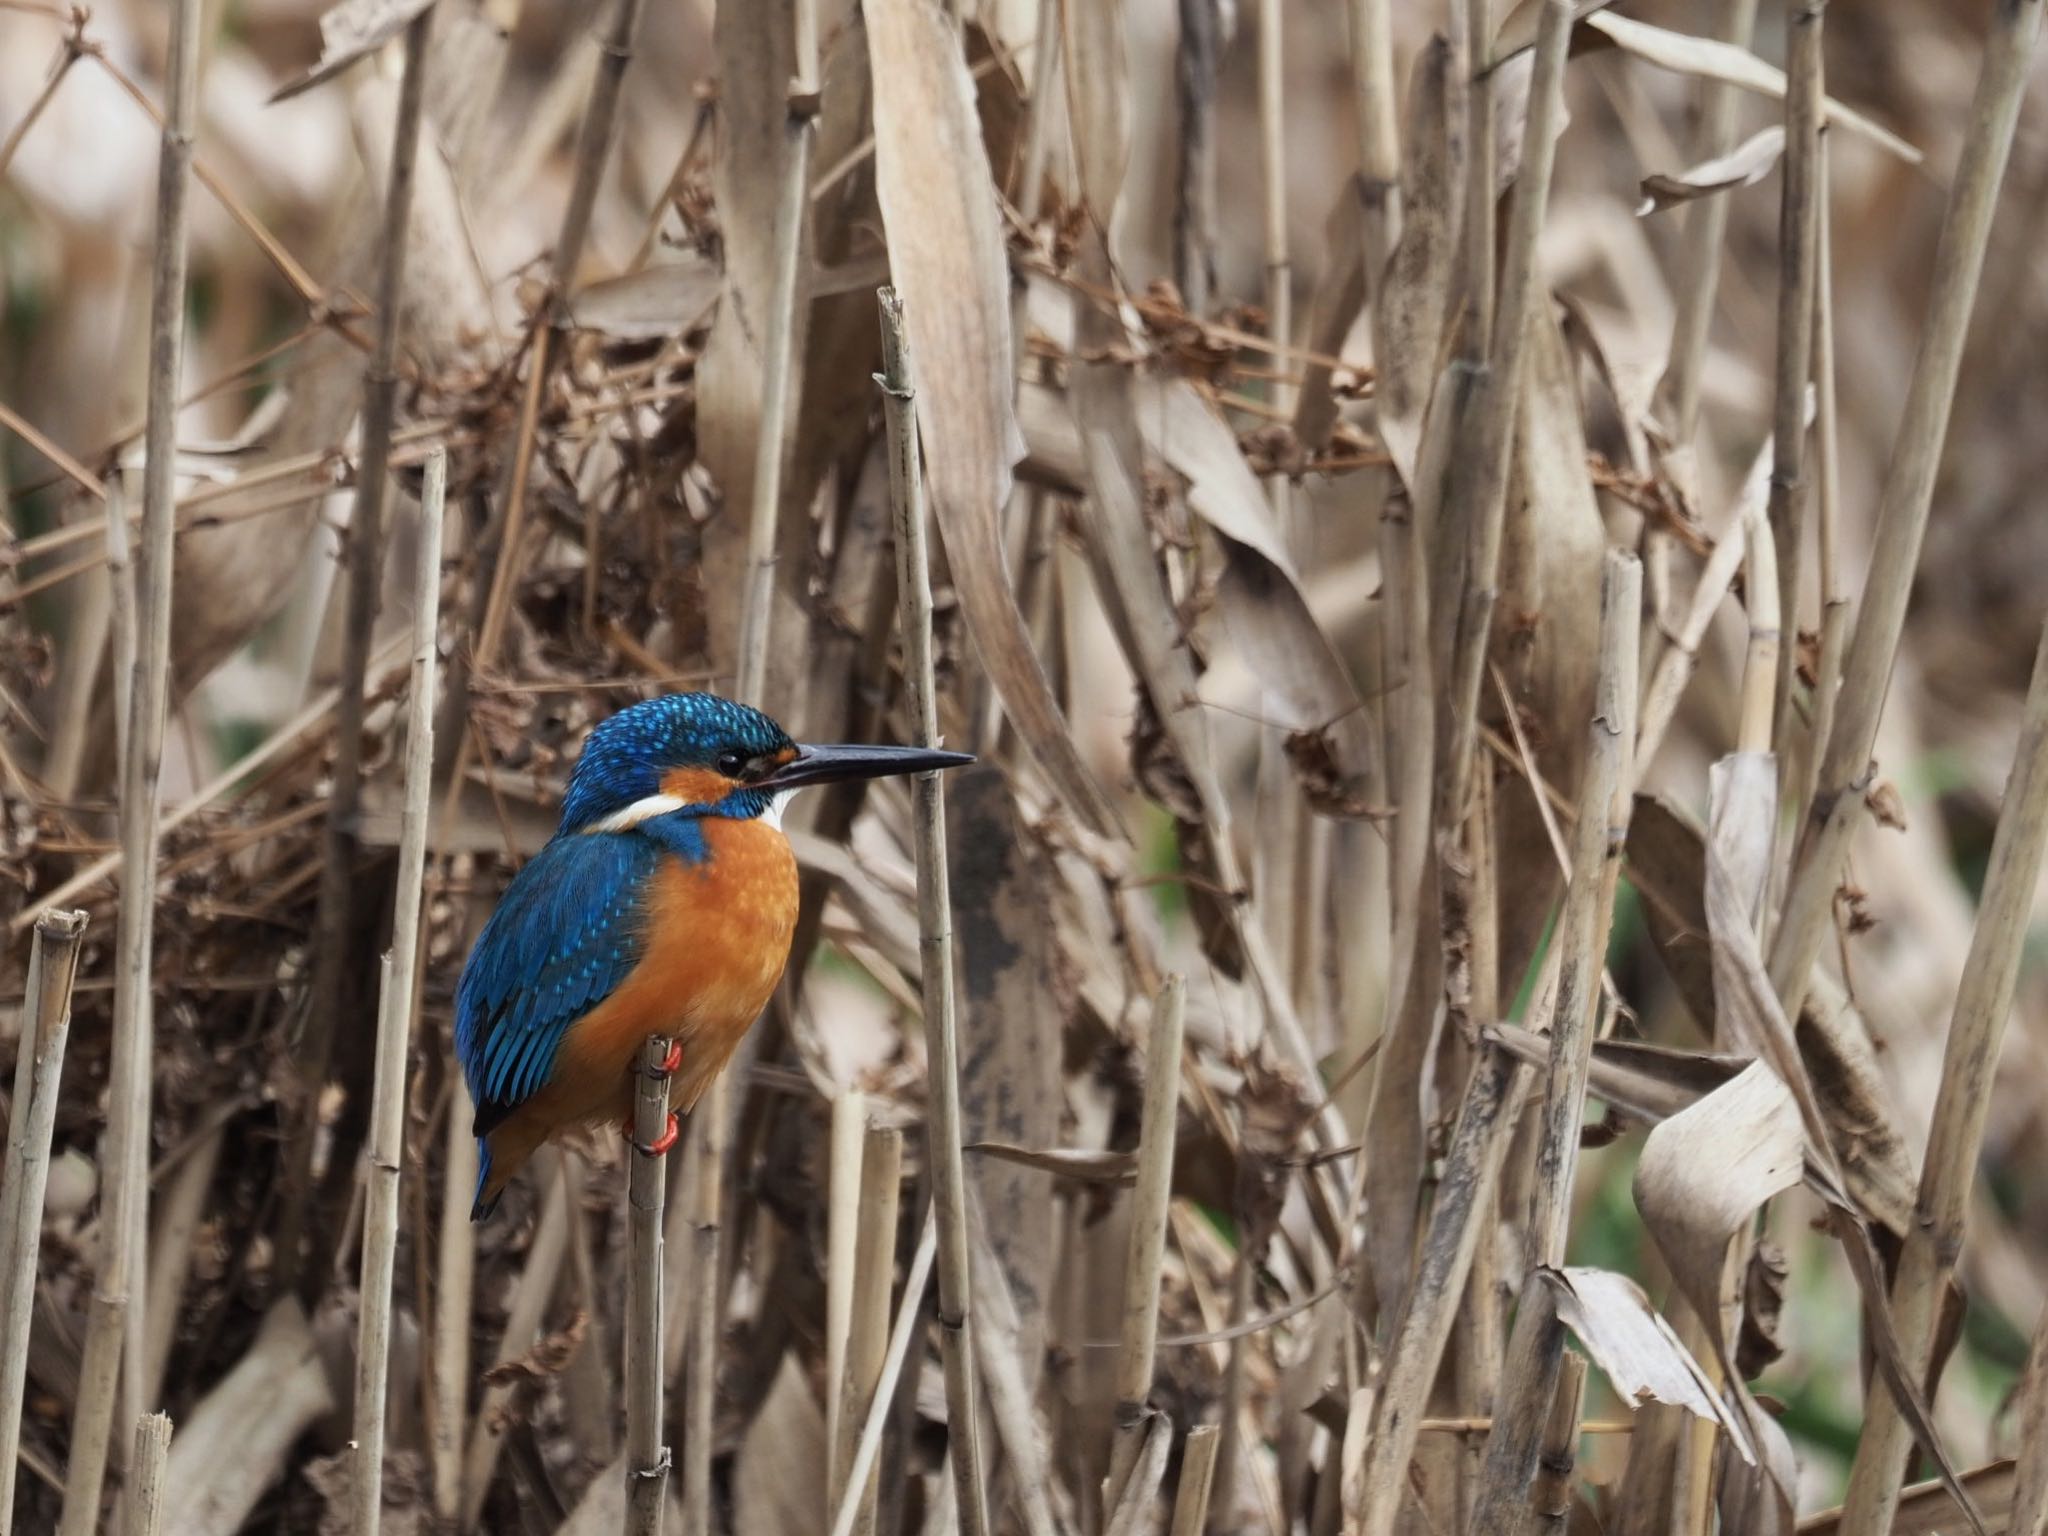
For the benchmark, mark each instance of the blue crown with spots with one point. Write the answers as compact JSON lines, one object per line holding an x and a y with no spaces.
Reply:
{"x":625,"y":756}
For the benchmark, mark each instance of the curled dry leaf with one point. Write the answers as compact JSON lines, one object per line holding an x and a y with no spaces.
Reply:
{"x":1707,"y":1169}
{"x":1627,"y":1338}
{"x":946,"y":257}
{"x":350,"y":31}
{"x":549,"y":1357}
{"x":1748,"y":163}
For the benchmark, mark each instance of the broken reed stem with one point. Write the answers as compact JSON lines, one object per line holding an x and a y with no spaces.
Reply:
{"x":1551,"y":1497}
{"x":146,"y":1474}
{"x":1197,"y":1475}
{"x":1132,"y":1510}
{"x":867,"y":1348}
{"x":112,"y":1338}
{"x":874,"y":1264}
{"x":861,"y":1468}
{"x":1150,"y":1198}
{"x":1984,"y":1001}
{"x":1906,"y":497}
{"x":1480,"y":477}
{"x":844,"y":1214}
{"x":711,"y":1124}
{"x":32,"y":1119}
{"x":386,"y":1150}
{"x":1529,"y":1378}
{"x":935,"y":919}
{"x":1798,"y":242}
{"x":1706,"y":228}
{"x":365,"y":561}
{"x":455,"y":1271}
{"x":646,"y":1457}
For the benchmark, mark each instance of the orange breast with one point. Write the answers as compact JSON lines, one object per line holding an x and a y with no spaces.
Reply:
{"x":718,"y":937}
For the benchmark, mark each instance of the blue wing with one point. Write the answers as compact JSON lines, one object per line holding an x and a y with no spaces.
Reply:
{"x":567,"y":932}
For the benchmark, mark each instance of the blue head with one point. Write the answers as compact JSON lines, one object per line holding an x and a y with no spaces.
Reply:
{"x":698,"y":754}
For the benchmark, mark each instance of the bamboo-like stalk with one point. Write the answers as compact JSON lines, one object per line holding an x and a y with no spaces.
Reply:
{"x":365,"y":557}
{"x":1197,"y":1475}
{"x":1149,"y":1201}
{"x":146,"y":1474}
{"x":32,"y":1119}
{"x":1131,"y":1512}
{"x":455,"y":1270}
{"x":395,"y":1015}
{"x":935,"y":921}
{"x":1551,"y":1498}
{"x":874,"y":1265}
{"x":868,"y":1448}
{"x":110,"y":1340}
{"x":1706,"y":229}
{"x":1480,"y":473}
{"x":1907,"y":495}
{"x":782,"y":363}
{"x":843,"y":1217}
{"x":646,"y":1456}
{"x":1969,"y":1063}
{"x":1529,"y":1379}
{"x":1834,"y":601}
{"x":1798,"y":257}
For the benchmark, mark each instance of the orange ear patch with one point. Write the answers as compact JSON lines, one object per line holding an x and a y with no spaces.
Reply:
{"x":697,"y":786}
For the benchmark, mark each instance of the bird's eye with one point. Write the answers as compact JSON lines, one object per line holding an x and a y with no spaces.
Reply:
{"x":731,"y":763}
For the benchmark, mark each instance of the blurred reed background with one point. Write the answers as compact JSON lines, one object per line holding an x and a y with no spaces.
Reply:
{"x":1427,"y":498}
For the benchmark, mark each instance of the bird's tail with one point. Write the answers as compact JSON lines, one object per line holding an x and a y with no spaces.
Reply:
{"x":486,"y":1198}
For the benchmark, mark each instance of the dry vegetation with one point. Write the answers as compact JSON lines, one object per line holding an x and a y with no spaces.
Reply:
{"x":1510,"y":795}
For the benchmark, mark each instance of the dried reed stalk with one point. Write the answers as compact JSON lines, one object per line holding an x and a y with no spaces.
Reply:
{"x":1150,"y":1198}
{"x":861,"y":1468}
{"x":1798,"y":262}
{"x":1834,"y":600}
{"x":1480,"y":212}
{"x":111,"y":1340}
{"x":1197,"y":1474}
{"x":874,"y":1266}
{"x":31,"y":1121}
{"x":935,"y":921}
{"x":843,"y":1217}
{"x":454,"y":1277}
{"x":1529,"y":1377}
{"x":1907,"y":495}
{"x":1551,"y":1497}
{"x":395,"y":1012}
{"x":1131,"y":1513}
{"x":146,"y":1474}
{"x":646,"y":1456}
{"x":330,"y":993}
{"x":782,"y":361}
{"x":1969,"y":1064}
{"x":1706,"y":229}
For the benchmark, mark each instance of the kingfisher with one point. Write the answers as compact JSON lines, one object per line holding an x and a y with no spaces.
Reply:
{"x":663,"y":905}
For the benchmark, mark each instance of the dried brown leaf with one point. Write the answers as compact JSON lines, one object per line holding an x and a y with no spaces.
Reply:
{"x":669,"y":299}
{"x":350,"y":31}
{"x":1746,"y":164}
{"x":1926,"y":1509}
{"x":1409,"y":309}
{"x":549,"y":1357}
{"x":946,"y":258}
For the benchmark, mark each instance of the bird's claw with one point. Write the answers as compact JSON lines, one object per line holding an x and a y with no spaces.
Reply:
{"x":672,"y":1060}
{"x":660,"y":1145}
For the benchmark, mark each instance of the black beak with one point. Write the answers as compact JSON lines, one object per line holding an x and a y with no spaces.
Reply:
{"x":829,"y":765}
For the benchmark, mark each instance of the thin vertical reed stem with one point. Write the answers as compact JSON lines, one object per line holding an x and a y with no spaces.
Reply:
{"x":647,"y":1461}
{"x":843,"y":1222}
{"x":880,"y":1198}
{"x":862,"y":1465}
{"x":331,"y":993}
{"x":1529,"y":1379}
{"x":935,"y":921}
{"x":31,"y":1121}
{"x":110,"y":1340}
{"x":1197,"y":1475}
{"x":782,"y":366}
{"x":1149,"y":1201}
{"x":395,"y":1018}
{"x":1907,"y":496}
{"x":1984,"y":1001}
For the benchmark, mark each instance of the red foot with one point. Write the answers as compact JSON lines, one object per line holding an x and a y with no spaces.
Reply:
{"x":661,"y":1143}
{"x":672,"y":1060}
